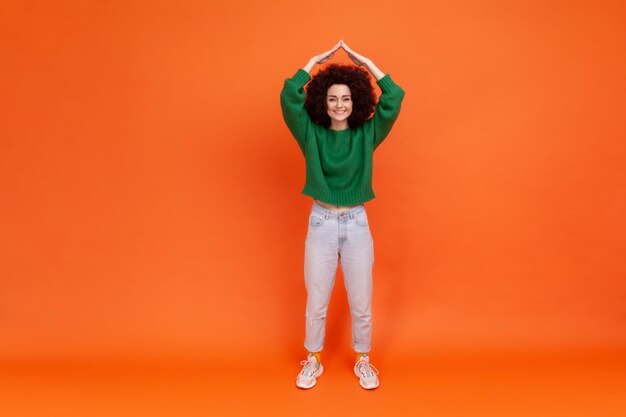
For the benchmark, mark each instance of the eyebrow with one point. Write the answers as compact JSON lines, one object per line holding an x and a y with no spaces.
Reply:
{"x":345,"y":95}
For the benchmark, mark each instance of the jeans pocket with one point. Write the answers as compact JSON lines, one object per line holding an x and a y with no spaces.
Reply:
{"x":315,"y":221}
{"x":361,"y":219}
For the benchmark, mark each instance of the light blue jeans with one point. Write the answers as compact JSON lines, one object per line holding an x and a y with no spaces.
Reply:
{"x":338,"y":236}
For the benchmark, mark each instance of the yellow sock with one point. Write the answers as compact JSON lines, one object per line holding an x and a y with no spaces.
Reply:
{"x":358,"y":356}
{"x":317,"y":355}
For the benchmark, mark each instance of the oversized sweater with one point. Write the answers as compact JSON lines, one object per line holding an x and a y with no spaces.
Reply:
{"x":339,"y":162}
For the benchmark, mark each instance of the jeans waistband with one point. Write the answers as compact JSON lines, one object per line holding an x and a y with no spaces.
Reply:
{"x":353,"y":212}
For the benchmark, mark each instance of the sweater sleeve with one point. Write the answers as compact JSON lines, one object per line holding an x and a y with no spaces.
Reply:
{"x":387,"y":109}
{"x":292,"y":99}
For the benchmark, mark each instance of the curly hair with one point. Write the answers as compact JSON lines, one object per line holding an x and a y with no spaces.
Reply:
{"x":356,"y":78}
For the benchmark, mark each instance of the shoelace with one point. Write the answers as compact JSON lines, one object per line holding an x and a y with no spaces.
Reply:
{"x":366,"y":369}
{"x":308,"y":369}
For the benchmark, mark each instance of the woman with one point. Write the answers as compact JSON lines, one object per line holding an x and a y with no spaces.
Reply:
{"x":333,"y":124}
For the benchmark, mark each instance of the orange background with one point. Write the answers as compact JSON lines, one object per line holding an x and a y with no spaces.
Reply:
{"x":151,"y":200}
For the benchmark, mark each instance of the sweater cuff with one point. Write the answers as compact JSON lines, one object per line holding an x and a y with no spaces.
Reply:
{"x":386,"y":83}
{"x":301,"y":76}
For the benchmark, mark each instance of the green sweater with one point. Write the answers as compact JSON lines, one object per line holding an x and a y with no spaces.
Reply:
{"x":339,"y":162}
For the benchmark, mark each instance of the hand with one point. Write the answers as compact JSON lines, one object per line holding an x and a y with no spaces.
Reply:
{"x":325,"y":56}
{"x":321,"y":58}
{"x":356,"y":58}
{"x":360,"y":60}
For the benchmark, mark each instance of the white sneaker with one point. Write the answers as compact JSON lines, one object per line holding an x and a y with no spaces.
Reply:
{"x":367,"y":373}
{"x":307,"y":377}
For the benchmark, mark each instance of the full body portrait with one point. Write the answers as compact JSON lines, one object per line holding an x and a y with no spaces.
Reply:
{"x":338,"y":125}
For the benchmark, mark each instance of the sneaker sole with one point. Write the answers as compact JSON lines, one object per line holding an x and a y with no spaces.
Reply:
{"x":363,"y":385}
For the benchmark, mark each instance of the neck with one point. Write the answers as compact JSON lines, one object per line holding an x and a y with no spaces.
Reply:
{"x":342,"y":125}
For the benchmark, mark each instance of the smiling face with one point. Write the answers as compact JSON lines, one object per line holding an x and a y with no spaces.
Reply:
{"x":339,"y":106}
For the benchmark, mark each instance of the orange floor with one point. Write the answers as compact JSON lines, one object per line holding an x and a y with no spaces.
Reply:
{"x":590,"y":386}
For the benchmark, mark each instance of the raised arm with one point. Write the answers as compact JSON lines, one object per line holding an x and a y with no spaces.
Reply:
{"x":293,"y":96}
{"x":389,"y":103}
